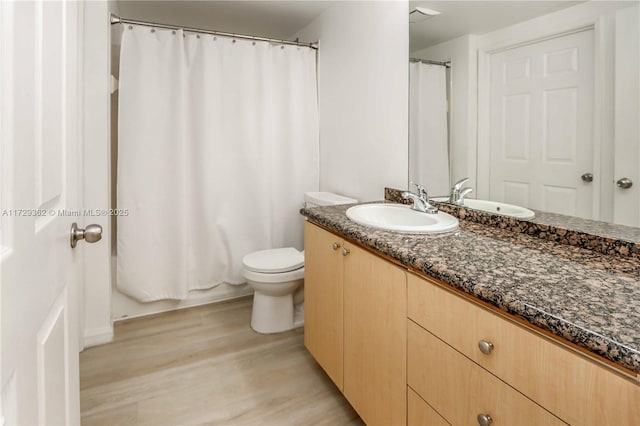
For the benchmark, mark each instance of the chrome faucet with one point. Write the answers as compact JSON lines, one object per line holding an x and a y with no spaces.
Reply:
{"x":458,"y":194}
{"x":420,"y":200}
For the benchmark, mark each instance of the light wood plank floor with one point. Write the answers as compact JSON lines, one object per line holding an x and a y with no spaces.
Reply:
{"x":205,"y":365}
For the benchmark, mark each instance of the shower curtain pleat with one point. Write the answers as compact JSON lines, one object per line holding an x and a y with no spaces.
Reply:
{"x":218,"y":141}
{"x":428,"y":134}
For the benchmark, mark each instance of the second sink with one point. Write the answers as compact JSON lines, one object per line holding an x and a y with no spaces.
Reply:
{"x":494,"y":207}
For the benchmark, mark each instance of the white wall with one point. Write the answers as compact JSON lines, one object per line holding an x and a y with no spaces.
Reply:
{"x":363,"y":96}
{"x":97,"y":325}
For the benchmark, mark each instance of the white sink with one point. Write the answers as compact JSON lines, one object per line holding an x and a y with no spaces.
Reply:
{"x":495,"y":207}
{"x":399,"y":217}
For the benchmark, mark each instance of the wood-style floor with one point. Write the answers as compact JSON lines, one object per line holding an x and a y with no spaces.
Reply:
{"x":205,"y":365}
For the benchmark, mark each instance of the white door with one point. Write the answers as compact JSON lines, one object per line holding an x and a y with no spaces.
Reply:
{"x":541,"y":128}
{"x":626,"y":199}
{"x":39,"y":125}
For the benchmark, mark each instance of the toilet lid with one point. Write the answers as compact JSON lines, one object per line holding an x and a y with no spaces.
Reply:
{"x":274,"y":260}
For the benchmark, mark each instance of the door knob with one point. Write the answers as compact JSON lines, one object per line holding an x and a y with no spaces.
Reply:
{"x":624,"y":183}
{"x":587,"y":177}
{"x":336,"y":246}
{"x":345,"y":251}
{"x":91,"y":234}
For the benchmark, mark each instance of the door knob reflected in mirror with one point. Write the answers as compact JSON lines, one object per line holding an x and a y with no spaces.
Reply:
{"x":91,"y":234}
{"x":624,"y":183}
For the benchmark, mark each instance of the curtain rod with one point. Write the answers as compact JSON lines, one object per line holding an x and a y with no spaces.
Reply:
{"x":427,"y":61}
{"x":114,"y":19}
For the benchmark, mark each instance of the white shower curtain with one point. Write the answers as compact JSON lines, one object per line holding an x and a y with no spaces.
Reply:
{"x":217,"y":142}
{"x":428,"y":135}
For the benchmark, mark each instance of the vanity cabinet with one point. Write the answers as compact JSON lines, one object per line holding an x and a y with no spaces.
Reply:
{"x":407,"y":349}
{"x":464,"y":358}
{"x":355,"y":324}
{"x":323,"y":300}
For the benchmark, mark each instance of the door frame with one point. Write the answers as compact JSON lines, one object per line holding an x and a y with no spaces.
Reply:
{"x":96,"y":323}
{"x":566,"y":22}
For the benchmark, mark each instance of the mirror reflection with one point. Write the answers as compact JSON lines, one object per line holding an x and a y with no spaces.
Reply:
{"x":535,"y":102}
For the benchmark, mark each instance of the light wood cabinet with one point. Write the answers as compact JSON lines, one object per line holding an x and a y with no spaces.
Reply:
{"x":569,"y":385}
{"x":406,"y":350}
{"x":420,"y":413}
{"x":323,"y":297}
{"x":461,"y":390}
{"x":355,"y":324}
{"x":375,"y":321}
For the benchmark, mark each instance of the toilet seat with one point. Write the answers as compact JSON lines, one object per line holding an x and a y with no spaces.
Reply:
{"x":274,"y":261}
{"x":267,"y":278}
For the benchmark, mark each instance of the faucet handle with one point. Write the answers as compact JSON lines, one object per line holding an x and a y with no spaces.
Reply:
{"x":422,"y":191}
{"x":464,"y":193}
{"x":458,"y":185}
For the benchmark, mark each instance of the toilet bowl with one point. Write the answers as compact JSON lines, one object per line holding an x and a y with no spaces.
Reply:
{"x":276,"y":274}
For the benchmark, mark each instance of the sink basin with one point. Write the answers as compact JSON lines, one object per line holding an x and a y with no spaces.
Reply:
{"x":495,"y":207}
{"x":399,"y":217}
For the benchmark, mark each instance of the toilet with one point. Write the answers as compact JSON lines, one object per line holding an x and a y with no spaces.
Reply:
{"x":276,"y":274}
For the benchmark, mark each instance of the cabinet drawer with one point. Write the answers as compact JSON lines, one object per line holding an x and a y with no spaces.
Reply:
{"x":419,"y":413}
{"x":460,"y":390}
{"x":576,"y":389}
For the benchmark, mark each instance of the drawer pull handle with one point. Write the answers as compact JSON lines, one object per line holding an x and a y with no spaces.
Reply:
{"x":336,"y":246}
{"x":484,"y":419}
{"x":345,"y":251}
{"x":486,"y":348}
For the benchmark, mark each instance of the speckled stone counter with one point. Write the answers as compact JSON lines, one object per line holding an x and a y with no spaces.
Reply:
{"x":606,"y":238}
{"x":583,"y":296}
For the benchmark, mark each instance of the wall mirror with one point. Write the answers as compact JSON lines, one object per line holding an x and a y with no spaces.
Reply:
{"x":536,"y":102}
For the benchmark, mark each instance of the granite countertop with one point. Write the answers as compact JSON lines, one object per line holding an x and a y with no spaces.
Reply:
{"x":588,"y":226}
{"x":588,"y":298}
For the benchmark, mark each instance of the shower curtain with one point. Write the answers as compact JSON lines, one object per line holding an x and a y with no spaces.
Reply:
{"x":217,"y":142}
{"x":428,"y":135}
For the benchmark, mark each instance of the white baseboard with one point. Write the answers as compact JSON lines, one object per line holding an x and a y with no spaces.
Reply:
{"x":124,"y":307}
{"x":98,"y":336}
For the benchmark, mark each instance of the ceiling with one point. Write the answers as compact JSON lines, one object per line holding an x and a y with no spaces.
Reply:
{"x":273,"y":19}
{"x":458,"y":18}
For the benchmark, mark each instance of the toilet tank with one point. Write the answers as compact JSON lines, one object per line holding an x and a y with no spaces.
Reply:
{"x":317,"y":199}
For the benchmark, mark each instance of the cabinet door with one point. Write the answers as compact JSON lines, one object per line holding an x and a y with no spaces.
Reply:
{"x":323,"y":333}
{"x":375,"y":328}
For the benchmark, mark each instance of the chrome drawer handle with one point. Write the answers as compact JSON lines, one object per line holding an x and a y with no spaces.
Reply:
{"x":486,"y":348}
{"x":336,"y":246}
{"x":484,"y":419}
{"x":345,"y":251}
